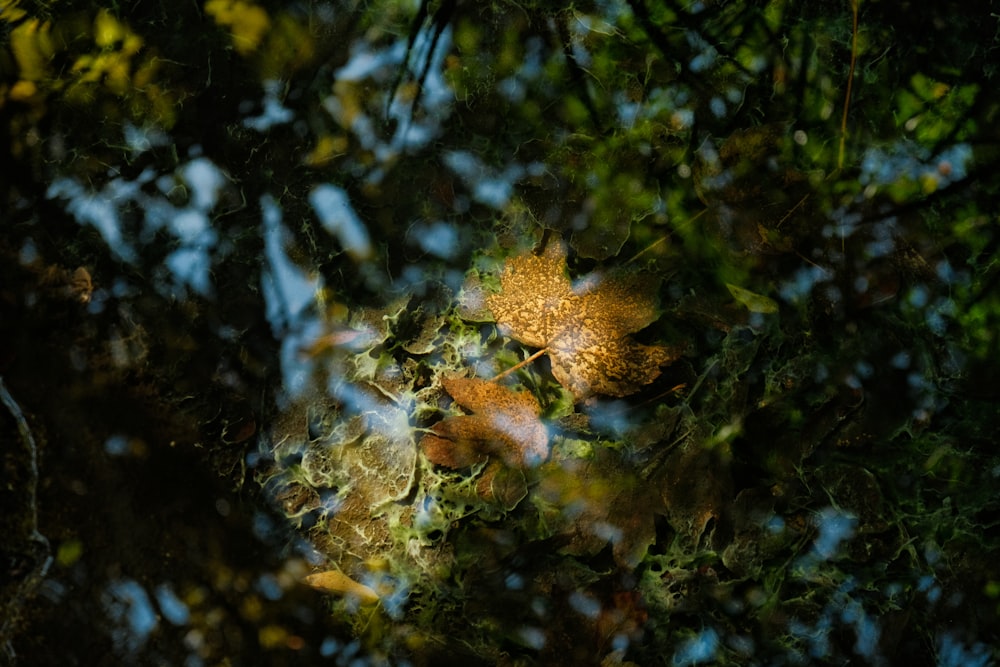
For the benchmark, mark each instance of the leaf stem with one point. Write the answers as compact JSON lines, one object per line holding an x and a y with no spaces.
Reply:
{"x":521,"y":364}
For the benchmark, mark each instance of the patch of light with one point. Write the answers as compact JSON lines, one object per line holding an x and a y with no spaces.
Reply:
{"x":843,"y":225}
{"x":610,"y":417}
{"x":117,"y":445}
{"x":365,"y":63}
{"x":192,"y":227}
{"x":394,"y":593}
{"x":803,"y":282}
{"x":531,"y":637}
{"x":190,"y":264}
{"x":628,"y":111}
{"x":515,"y":87}
{"x":718,"y":107}
{"x":706,"y":53}
{"x":268,"y":585}
{"x":585,"y":605}
{"x":581,"y":30}
{"x":333,"y":207}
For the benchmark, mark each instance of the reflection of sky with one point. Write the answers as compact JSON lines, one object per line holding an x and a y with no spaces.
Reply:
{"x":515,"y":86}
{"x":699,"y":649}
{"x":171,"y":606}
{"x":802,"y":283}
{"x":953,"y":652}
{"x":142,"y":139}
{"x":98,"y":209}
{"x":705,"y":53}
{"x":193,"y":238}
{"x":333,"y":207}
{"x":884,"y":166}
{"x":834,"y":528}
{"x":845,"y":608}
{"x":382,"y":64}
{"x":437,"y":238}
{"x":131,"y":612}
{"x":288,"y":293}
{"x":287,"y":287}
{"x":274,"y":113}
{"x":489,"y":186}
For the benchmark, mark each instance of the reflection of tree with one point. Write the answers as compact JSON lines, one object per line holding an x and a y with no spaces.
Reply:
{"x":216,"y":166}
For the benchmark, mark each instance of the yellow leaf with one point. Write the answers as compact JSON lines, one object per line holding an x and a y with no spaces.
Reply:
{"x":336,"y":582}
{"x":755,"y":303}
{"x":247,"y":22}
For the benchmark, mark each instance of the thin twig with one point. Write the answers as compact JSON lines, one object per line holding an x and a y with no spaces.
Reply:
{"x":665,"y":238}
{"x":850,"y":83}
{"x":521,"y":364}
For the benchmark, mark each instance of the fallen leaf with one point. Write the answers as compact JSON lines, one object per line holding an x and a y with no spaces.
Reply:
{"x":585,"y":327}
{"x":335,"y":581}
{"x":504,"y":424}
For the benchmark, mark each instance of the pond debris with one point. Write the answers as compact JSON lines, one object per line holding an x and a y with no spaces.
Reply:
{"x":585,"y":326}
{"x":504,"y":423}
{"x":338,"y":583}
{"x":504,"y":432}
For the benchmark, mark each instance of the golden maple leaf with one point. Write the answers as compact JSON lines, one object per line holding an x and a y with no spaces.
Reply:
{"x":584,"y":327}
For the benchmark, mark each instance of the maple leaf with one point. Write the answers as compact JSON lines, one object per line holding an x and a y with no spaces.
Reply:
{"x":504,"y":424}
{"x":585,"y":327}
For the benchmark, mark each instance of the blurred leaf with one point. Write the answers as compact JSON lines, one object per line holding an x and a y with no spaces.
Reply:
{"x":247,"y":22}
{"x":600,"y":500}
{"x":696,"y":489}
{"x":755,"y":303}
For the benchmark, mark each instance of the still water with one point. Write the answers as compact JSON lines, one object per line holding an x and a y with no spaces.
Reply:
{"x":415,"y":333}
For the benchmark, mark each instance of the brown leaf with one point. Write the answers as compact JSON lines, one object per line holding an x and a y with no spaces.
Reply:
{"x":503,"y":424}
{"x":585,"y":327}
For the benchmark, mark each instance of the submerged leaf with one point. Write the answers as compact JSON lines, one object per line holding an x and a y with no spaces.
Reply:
{"x":335,"y":581}
{"x":504,"y":424}
{"x":585,"y":327}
